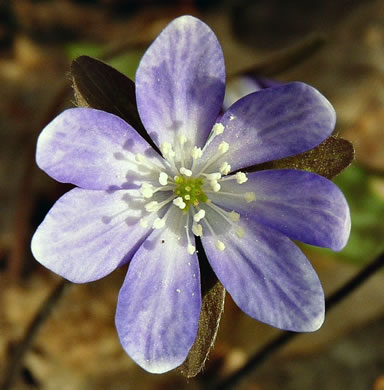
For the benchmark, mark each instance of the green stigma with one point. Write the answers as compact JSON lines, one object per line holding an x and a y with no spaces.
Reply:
{"x":190,"y":189}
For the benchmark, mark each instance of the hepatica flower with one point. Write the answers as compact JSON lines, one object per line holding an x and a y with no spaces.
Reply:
{"x":133,"y":205}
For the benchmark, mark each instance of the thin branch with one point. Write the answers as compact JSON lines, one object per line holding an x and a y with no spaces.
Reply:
{"x":284,"y":337}
{"x":17,"y":359}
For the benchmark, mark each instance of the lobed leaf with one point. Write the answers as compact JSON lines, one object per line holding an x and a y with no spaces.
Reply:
{"x":98,"y":85}
{"x":327,"y":159}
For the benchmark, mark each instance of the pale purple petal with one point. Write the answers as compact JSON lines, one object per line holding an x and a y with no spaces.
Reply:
{"x":92,"y":149}
{"x":268,"y":277}
{"x":180,"y":82}
{"x":274,"y":123}
{"x":159,"y":304}
{"x":87,"y":234}
{"x":302,"y":205}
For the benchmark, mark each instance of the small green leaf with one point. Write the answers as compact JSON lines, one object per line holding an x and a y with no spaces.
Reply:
{"x":212,"y":307}
{"x":98,"y":85}
{"x":327,"y":159}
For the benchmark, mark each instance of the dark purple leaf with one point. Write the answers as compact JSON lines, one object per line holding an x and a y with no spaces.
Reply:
{"x":98,"y":85}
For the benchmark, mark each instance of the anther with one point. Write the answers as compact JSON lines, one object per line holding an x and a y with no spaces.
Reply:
{"x":139,"y":157}
{"x":179,"y":202}
{"x":163,"y":178}
{"x":147,"y":190}
{"x":199,"y":215}
{"x":158,"y":223}
{"x":182,"y":139}
{"x":241,"y":177}
{"x":225,"y":168}
{"x":233,"y":216}
{"x":212,"y":176}
{"x":220,"y":245}
{"x":250,"y":197}
{"x":197,"y":229}
{"x":223,"y":147}
{"x":143,"y":223}
{"x":215,"y":185}
{"x":166,"y":150}
{"x":191,"y":249}
{"x":196,"y":153}
{"x":185,"y":171}
{"x":152,"y":206}
{"x":240,"y":232}
{"x":218,"y":128}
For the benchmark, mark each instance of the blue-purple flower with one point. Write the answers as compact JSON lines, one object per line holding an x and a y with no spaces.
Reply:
{"x":132,"y":205}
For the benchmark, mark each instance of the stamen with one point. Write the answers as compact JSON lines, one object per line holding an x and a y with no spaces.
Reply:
{"x":182,"y":139}
{"x":229,"y":217}
{"x":143,"y":223}
{"x":199,"y":215}
{"x":225,"y":168}
{"x":152,"y":206}
{"x":212,"y":176}
{"x":240,"y":232}
{"x":186,"y":172}
{"x":158,"y":223}
{"x":167,"y":150}
{"x":220,"y":245}
{"x":163,"y":178}
{"x":197,"y":229}
{"x":223,"y":147}
{"x":218,"y":128}
{"x":191,"y":248}
{"x":233,"y":216}
{"x":215,"y":185}
{"x":250,"y":197}
{"x":179,"y":202}
{"x":241,"y":177}
{"x":148,"y":164}
{"x":147,"y":190}
{"x":196,"y":153}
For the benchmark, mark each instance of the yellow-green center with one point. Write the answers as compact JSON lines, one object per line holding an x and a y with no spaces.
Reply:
{"x":190,"y":189}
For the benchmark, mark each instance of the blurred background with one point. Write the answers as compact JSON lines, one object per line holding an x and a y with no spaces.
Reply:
{"x":336,"y":46}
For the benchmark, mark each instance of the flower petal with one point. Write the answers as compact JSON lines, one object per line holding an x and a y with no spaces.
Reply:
{"x":87,"y":234}
{"x":274,"y":123}
{"x":302,"y":205}
{"x":268,"y":277}
{"x":159,"y":304}
{"x":92,"y":149}
{"x":180,"y":82}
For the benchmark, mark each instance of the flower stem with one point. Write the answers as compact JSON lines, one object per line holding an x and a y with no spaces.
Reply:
{"x":41,"y":316}
{"x":284,"y":337}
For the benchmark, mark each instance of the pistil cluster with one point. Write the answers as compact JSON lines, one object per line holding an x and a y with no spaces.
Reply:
{"x":185,"y":183}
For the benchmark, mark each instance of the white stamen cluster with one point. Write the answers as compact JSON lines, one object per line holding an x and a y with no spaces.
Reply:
{"x":183,"y":182}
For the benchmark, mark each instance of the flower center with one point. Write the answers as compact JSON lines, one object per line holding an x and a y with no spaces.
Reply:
{"x":190,"y":190}
{"x":180,"y":189}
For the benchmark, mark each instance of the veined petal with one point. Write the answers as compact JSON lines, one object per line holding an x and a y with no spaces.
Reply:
{"x":87,"y":234}
{"x":274,"y":123}
{"x":92,"y":149}
{"x":180,"y":82}
{"x":159,"y":303}
{"x":268,"y":277}
{"x":302,"y":205}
